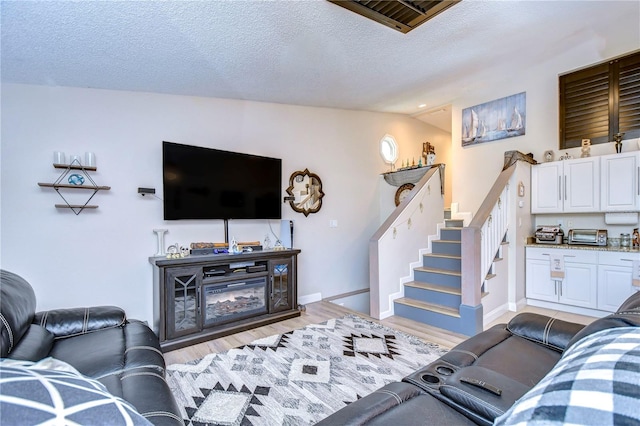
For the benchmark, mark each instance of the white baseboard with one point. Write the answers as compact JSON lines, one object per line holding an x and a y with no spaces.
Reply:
{"x":566,"y":308}
{"x":518,"y":306}
{"x":495,"y":314}
{"x":309,"y":298}
{"x":386,"y":314}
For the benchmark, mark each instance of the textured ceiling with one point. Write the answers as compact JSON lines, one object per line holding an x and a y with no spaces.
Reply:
{"x":294,"y":52}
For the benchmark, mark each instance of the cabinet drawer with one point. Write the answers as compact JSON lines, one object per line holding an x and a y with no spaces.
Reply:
{"x":540,"y":253}
{"x":617,"y":258}
{"x":581,"y":256}
{"x":575,"y":256}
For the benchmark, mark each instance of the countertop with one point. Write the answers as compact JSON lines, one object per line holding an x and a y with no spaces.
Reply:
{"x":580,"y":247}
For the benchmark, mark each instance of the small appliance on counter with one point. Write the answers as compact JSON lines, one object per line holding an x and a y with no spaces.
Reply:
{"x":587,"y":237}
{"x":549,"y":235}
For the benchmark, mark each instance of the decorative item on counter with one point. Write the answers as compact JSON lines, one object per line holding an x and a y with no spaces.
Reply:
{"x":548,"y":156}
{"x":278,"y":246}
{"x":75,"y":179}
{"x":420,"y":162}
{"x":58,"y":157}
{"x":636,"y":238}
{"x":174,"y":251}
{"x":267,"y":242}
{"x":625,"y":240}
{"x":618,"y":141}
{"x":233,"y":246}
{"x":586,"y":148}
{"x":160,"y":234}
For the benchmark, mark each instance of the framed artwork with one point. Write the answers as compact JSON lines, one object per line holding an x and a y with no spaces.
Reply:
{"x":497,"y":119}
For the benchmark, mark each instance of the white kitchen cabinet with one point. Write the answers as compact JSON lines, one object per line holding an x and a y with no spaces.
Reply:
{"x":614,"y":279}
{"x":620,"y":189}
{"x":579,"y":286}
{"x":570,"y":186}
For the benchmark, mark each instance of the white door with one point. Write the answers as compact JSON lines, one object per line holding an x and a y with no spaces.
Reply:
{"x":614,"y":286}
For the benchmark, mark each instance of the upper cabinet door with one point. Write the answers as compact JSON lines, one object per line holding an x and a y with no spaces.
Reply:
{"x":546,"y":187}
{"x":570,"y":186}
{"x":582,"y":185}
{"x":620,"y":182}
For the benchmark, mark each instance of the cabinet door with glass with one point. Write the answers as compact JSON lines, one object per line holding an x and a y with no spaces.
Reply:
{"x":181,"y":298}
{"x":281,"y":276}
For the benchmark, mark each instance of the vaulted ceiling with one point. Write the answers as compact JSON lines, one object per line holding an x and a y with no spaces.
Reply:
{"x":312,"y":53}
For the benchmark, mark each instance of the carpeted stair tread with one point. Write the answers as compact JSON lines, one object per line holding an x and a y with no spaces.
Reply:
{"x":429,"y":307}
{"x":434,"y":287}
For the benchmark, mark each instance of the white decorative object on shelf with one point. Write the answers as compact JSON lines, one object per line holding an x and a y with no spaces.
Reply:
{"x":58,"y":157}
{"x":160,"y":234}
{"x":89,"y":159}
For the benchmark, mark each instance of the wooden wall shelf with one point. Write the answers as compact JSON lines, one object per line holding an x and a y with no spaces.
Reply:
{"x":58,"y":185}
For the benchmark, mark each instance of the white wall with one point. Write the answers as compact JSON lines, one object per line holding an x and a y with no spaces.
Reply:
{"x":101,"y":256}
{"x":477,"y":166}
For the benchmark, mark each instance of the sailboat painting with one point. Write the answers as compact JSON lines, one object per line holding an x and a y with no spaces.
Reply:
{"x":498,"y":119}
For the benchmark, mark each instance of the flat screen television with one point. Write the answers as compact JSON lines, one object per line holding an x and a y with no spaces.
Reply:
{"x":205,"y":183}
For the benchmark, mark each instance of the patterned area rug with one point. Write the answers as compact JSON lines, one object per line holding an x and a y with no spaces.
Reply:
{"x":296,"y":378}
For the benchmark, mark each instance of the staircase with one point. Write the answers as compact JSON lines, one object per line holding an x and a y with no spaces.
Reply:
{"x":434,"y":297}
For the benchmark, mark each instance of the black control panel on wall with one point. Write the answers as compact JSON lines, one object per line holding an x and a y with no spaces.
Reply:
{"x":145,"y":191}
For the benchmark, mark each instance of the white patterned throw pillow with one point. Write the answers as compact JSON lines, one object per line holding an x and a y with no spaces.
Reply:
{"x":53,"y":392}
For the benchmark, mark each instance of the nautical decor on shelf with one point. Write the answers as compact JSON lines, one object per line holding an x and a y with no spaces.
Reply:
{"x":494,"y":120}
{"x":618,"y":140}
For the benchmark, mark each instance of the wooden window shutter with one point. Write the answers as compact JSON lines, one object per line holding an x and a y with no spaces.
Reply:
{"x":584,"y":106}
{"x":628,"y":74}
{"x":600,"y":101}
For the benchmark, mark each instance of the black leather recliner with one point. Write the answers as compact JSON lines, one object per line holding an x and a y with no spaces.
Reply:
{"x":98,"y":342}
{"x":482,"y":377}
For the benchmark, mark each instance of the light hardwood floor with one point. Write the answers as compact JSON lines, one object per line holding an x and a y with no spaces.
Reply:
{"x":322,"y":311}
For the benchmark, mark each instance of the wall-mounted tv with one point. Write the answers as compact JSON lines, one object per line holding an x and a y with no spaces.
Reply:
{"x":205,"y":183}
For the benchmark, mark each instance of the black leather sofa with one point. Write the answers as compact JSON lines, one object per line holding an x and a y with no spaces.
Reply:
{"x":99,"y":342}
{"x":485,"y":376}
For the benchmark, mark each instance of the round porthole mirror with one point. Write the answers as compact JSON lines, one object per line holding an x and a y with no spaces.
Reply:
{"x":389,"y":150}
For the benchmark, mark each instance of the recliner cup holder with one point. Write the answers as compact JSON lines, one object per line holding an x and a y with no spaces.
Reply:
{"x":444,"y":370}
{"x":430,"y":379}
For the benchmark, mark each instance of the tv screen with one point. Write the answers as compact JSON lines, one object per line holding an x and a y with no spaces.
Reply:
{"x":205,"y":183}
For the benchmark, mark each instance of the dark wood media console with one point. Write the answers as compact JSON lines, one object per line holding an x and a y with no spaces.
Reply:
{"x":199,"y":298}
